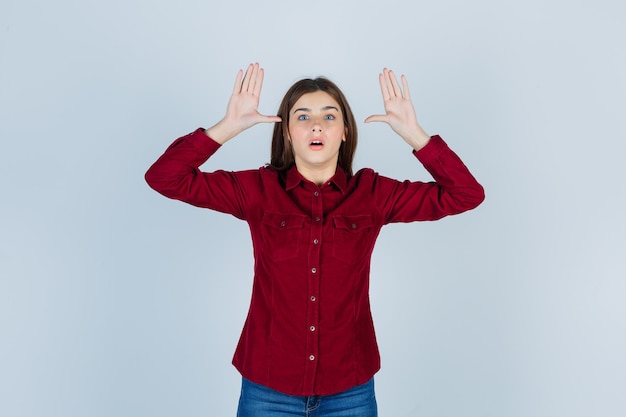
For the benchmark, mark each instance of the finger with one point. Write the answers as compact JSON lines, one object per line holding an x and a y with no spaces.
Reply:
{"x":246,"y":78}
{"x":397,"y":91}
{"x":383,"y":85}
{"x":237,"y":87}
{"x":376,"y":118}
{"x":405,"y":88}
{"x":271,"y":119}
{"x":389,"y":79}
{"x":388,"y":85}
{"x":253,"y":78}
{"x":258,"y":83}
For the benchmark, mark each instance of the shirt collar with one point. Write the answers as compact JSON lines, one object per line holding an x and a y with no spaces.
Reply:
{"x":294,"y":178}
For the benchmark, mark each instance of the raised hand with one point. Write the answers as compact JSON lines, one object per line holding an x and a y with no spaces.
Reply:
{"x":399,"y":111}
{"x":242,"y":110}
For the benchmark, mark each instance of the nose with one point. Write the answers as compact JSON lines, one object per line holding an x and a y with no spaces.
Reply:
{"x":316,"y":126}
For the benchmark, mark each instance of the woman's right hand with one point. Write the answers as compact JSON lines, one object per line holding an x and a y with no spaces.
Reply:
{"x":242,"y":111}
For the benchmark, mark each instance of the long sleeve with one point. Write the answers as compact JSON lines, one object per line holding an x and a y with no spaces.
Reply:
{"x":176,"y":175}
{"x":309,"y":329}
{"x":454,"y":190}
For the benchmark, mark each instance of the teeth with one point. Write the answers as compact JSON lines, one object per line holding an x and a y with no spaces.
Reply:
{"x":316,"y":142}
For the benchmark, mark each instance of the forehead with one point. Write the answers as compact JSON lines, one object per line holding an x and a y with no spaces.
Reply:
{"x":316,"y":101}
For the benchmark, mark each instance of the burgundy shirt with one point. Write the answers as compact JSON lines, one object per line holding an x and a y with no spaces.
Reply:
{"x":309,"y":329}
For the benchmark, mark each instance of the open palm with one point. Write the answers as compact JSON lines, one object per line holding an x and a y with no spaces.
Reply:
{"x":399,"y":111}
{"x":242,"y":110}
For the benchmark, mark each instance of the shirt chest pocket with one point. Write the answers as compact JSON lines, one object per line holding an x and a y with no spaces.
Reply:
{"x":282,"y":234}
{"x":352,"y":237}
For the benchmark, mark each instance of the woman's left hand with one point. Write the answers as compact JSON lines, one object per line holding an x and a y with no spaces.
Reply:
{"x":400,"y":114}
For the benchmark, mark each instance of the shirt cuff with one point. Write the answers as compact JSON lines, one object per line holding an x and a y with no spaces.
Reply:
{"x":198,"y":141}
{"x":432,"y":150}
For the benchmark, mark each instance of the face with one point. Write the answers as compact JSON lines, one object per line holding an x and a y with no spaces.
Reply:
{"x":316,"y":131}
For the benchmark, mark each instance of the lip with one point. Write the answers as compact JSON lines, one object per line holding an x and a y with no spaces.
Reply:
{"x":317,"y":139}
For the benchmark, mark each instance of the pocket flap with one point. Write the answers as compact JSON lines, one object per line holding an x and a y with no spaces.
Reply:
{"x":283,"y":220}
{"x":353,"y":224}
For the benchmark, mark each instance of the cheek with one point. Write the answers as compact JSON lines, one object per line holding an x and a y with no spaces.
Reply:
{"x":339,"y":132}
{"x":296,"y":130}
{"x":290,"y":133}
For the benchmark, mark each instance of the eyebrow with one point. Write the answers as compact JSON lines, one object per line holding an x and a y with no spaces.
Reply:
{"x":304,"y":109}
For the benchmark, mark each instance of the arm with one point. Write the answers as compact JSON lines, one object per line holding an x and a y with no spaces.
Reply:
{"x":455,"y":190}
{"x":176,"y":173}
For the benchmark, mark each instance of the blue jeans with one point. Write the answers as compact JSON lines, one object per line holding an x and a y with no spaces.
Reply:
{"x":259,"y":401}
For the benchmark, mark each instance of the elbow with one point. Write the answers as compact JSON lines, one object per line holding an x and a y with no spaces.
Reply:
{"x":480,"y":195}
{"x":469,"y":199}
{"x":476,"y":197}
{"x":150,"y":178}
{"x":155,"y":180}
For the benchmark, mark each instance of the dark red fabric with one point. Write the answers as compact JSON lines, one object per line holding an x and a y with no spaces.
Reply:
{"x":309,"y":329}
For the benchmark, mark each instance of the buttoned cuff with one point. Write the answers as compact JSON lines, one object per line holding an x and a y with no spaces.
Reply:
{"x":205,"y":143}
{"x":431,"y":150}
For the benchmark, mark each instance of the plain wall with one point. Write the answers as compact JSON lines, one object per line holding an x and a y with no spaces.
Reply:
{"x":115,"y":301}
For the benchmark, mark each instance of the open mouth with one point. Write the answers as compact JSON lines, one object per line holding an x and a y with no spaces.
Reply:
{"x":316,"y":144}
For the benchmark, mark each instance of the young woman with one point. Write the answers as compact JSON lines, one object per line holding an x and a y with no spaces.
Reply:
{"x":308,"y":346}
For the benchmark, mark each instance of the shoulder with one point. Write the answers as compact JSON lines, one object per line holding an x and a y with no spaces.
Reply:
{"x":371,"y":181}
{"x":364,"y":173}
{"x":364,"y":179}
{"x":367,"y":175}
{"x":270,"y":176}
{"x":269,"y":173}
{"x":251,"y":178}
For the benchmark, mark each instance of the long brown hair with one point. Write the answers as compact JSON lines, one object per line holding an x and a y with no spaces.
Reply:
{"x":282,"y":153}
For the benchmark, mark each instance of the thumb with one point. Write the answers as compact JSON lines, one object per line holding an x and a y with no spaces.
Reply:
{"x":270,"y":119}
{"x":376,"y":118}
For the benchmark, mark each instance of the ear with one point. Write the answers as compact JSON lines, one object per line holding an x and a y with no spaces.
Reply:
{"x":345,"y":133}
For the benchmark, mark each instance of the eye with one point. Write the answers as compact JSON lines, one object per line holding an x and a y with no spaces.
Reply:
{"x":329,"y":117}
{"x":303,"y":117}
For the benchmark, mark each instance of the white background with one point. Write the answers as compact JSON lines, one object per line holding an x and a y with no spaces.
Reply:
{"x":115,"y":301}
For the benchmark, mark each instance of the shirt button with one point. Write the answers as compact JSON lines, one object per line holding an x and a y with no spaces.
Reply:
{"x":312,"y":328}
{"x":316,"y":241}
{"x":313,"y":298}
{"x":317,"y":219}
{"x":314,"y":270}
{"x":312,"y":357}
{"x":283,"y":223}
{"x":353,"y":226}
{"x":316,"y":194}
